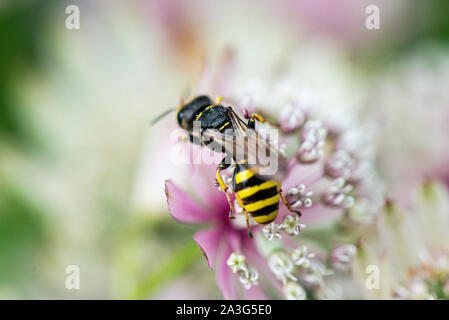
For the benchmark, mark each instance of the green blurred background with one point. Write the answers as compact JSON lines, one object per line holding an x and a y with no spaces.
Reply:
{"x":74,"y":112}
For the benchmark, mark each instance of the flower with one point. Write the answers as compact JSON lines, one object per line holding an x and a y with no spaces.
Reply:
{"x":237,"y":262}
{"x":325,"y":181}
{"x":410,"y":102}
{"x":272,"y":231}
{"x":225,"y":244}
{"x":228,"y":248}
{"x":342,"y":256}
{"x":410,"y":248}
{"x":291,"y":225}
{"x":302,"y":257}
{"x":331,"y":173}
{"x":298,"y":197}
{"x":247,"y":276}
{"x":294,"y":291}
{"x":282,"y":266}
{"x":339,"y":194}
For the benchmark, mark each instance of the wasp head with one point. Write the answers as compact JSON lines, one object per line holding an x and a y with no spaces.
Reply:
{"x":190,"y":110}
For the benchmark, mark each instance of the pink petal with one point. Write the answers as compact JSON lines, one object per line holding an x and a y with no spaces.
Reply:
{"x":202,"y":172}
{"x":225,"y":277}
{"x":256,"y":259}
{"x":208,"y":241}
{"x":203,"y":182}
{"x":182,"y":207}
{"x":299,"y":173}
{"x":234,"y":239}
{"x":254,"y":293}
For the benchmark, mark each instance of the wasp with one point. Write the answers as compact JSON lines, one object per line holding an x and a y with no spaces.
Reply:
{"x":221,"y":129}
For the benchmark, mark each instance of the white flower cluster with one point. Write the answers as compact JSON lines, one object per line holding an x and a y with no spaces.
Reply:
{"x":248,"y":276}
{"x":299,"y":197}
{"x":283,"y":266}
{"x":341,"y":149}
{"x":339,"y":194}
{"x":301,"y":257}
{"x":290,"y":225}
{"x":313,"y":138}
{"x":342,"y":256}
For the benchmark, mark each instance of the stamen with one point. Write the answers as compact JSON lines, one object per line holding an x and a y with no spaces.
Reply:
{"x":338,"y":194}
{"x":316,"y":273}
{"x":250,"y":278}
{"x":302,"y":257}
{"x":291,"y":118}
{"x":340,"y":164}
{"x":294,"y":291}
{"x":291,"y":225}
{"x":342,"y":256}
{"x":271,"y":231}
{"x":298,"y":197}
{"x":281,"y":266}
{"x":312,"y":141}
{"x":247,"y":276}
{"x":236,"y":262}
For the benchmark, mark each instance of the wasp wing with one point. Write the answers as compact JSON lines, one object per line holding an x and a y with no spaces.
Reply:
{"x":247,"y":146}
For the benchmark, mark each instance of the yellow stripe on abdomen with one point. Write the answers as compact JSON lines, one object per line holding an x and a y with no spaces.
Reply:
{"x":266,"y":218}
{"x":252,"y":190}
{"x":243,"y":176}
{"x":251,"y":207}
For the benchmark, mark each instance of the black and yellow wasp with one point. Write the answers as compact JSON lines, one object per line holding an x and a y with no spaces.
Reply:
{"x":221,"y":129}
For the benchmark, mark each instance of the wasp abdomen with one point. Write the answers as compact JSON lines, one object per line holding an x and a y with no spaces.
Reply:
{"x":258,"y":196}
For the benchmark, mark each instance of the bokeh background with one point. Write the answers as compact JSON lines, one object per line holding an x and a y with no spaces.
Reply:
{"x":77,"y":182}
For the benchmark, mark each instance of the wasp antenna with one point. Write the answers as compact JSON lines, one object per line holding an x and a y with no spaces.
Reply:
{"x":155,"y":120}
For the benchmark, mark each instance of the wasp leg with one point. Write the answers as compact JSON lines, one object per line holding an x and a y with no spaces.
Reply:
{"x":239,"y":200}
{"x":286,"y":203}
{"x":224,"y":164}
{"x":252,"y":120}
